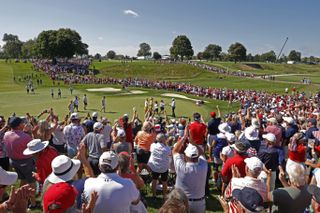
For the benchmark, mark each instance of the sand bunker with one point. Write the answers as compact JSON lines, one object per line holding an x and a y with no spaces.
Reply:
{"x":106,"y":89}
{"x":174,"y":95}
{"x":134,"y":92}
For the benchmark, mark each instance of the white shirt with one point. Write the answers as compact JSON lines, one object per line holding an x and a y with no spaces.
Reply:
{"x":173,"y":104}
{"x":85,"y":99}
{"x":159,"y":158}
{"x":115,"y":193}
{"x":162,"y":104}
{"x":191,"y":177}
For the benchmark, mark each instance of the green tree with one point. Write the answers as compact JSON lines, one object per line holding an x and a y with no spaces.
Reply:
{"x":97,"y":56}
{"x":212,"y":52}
{"x":181,"y":47}
{"x":257,"y":58}
{"x":156,"y":56}
{"x":111,"y":54}
{"x":294,"y":56}
{"x":144,"y":50}
{"x":237,"y":52}
{"x":28,"y":49}
{"x":250,"y":57}
{"x":12,"y":46}
{"x":63,"y":43}
{"x":200,"y":55}
{"x":269,"y":56}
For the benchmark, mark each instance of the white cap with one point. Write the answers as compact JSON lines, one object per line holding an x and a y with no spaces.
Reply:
{"x":34,"y":146}
{"x":289,"y":120}
{"x":74,"y":116}
{"x":7,"y":178}
{"x":191,"y":151}
{"x":255,"y":123}
{"x":230,"y":137}
{"x":95,"y":115}
{"x":224,"y":127}
{"x":109,"y":158}
{"x":253,"y":163}
{"x":97,"y":125}
{"x":270,"y":137}
{"x":251,"y":133}
{"x":121,"y":133}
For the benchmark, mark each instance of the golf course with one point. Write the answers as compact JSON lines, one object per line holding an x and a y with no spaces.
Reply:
{"x":14,"y":98}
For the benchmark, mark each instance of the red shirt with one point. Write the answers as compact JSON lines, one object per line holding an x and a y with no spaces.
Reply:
{"x":43,"y":163}
{"x":299,"y":155}
{"x":198,"y":132}
{"x":237,"y":160}
{"x":128,"y":129}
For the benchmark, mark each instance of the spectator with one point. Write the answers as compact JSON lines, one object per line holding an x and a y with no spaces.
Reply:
{"x":127,"y":170}
{"x":191,"y":169}
{"x":177,"y":202}
{"x":74,"y":133}
{"x":4,"y":160}
{"x":159,"y":163}
{"x":269,"y":155}
{"x":143,"y":140}
{"x":253,"y":169}
{"x":120,"y":144}
{"x":116,"y":194}
{"x":16,"y":142}
{"x":43,"y":155}
{"x":198,"y":130}
{"x":240,"y":147}
{"x":294,"y":196}
{"x":94,"y":143}
{"x":213,"y":124}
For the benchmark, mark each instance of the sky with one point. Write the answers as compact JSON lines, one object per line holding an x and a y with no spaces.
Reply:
{"x":121,"y":25}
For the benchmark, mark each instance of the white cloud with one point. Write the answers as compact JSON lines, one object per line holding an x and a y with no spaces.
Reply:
{"x":131,"y":13}
{"x":100,"y":38}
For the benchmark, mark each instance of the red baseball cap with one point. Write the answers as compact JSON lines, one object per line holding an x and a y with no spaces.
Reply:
{"x":213,"y":114}
{"x":59,"y":198}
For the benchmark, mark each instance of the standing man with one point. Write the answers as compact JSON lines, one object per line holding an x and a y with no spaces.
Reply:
{"x":213,"y":125}
{"x":191,"y":169}
{"x":73,"y":133}
{"x":94,"y":143}
{"x":71,"y":89}
{"x":16,"y":142}
{"x":52,"y":92}
{"x":103,"y":104}
{"x":162,"y":105}
{"x":85,"y":102}
{"x":76,"y":103}
{"x":173,"y":107}
{"x":59,"y":92}
{"x":198,"y":130}
{"x":116,"y":194}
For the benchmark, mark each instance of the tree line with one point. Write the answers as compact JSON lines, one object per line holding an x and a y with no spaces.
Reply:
{"x":66,"y":43}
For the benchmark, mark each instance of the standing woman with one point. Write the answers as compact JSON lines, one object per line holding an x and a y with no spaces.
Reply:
{"x":43,"y":130}
{"x":143,"y":140}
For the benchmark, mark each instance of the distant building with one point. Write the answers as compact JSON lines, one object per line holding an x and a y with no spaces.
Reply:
{"x":144,"y":58}
{"x":291,"y":62}
{"x":165,"y":57}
